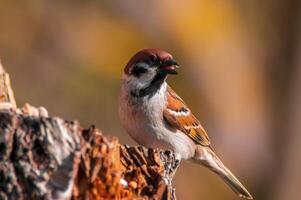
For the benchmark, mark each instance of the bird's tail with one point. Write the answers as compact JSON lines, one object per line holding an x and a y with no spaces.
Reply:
{"x":205,"y":156}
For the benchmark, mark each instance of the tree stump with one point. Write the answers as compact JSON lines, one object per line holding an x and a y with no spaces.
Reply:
{"x":45,"y":157}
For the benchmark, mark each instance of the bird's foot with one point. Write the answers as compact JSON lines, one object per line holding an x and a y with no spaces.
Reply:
{"x":171,"y":165}
{"x":174,"y":166}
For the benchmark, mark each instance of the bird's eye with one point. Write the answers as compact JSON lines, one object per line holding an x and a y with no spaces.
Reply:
{"x":138,"y":70}
{"x":152,"y":58}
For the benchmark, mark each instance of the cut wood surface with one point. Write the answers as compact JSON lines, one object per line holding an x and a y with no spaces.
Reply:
{"x":45,"y":157}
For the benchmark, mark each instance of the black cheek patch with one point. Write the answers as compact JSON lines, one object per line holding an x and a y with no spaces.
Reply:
{"x":137,"y":71}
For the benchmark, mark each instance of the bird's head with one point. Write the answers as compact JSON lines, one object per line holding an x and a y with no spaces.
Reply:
{"x":148,"y":69}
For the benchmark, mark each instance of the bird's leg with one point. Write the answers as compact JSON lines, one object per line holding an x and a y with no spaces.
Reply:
{"x":174,"y":165}
{"x":172,"y":162}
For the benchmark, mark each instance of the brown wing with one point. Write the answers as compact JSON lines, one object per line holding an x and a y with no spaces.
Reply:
{"x":179,"y":116}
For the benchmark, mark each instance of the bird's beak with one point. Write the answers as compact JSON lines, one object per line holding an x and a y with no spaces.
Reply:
{"x":169,"y":66}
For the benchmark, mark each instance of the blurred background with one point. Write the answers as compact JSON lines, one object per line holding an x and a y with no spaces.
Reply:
{"x":241,"y":75}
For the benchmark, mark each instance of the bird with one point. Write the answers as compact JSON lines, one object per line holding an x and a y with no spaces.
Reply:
{"x":156,"y":117}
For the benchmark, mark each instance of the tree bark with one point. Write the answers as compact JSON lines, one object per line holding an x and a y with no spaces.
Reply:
{"x":45,"y":157}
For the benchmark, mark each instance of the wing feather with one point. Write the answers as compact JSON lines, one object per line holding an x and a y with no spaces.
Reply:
{"x":179,"y":116}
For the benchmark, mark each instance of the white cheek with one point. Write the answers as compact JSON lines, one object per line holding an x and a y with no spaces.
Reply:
{"x":148,"y":76}
{"x":140,"y":82}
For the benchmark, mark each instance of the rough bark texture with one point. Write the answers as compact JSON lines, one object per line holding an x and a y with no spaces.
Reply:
{"x":50,"y":158}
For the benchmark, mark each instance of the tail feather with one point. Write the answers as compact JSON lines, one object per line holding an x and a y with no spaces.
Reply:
{"x":205,"y":156}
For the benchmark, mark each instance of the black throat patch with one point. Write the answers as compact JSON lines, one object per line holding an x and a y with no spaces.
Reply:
{"x":152,"y":88}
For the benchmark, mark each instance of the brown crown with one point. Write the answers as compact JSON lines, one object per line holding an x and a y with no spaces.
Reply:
{"x":144,"y":55}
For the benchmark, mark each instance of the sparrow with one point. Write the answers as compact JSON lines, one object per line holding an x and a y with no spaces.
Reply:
{"x":156,"y":117}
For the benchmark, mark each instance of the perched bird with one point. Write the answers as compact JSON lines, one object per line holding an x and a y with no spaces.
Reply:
{"x":156,"y":117}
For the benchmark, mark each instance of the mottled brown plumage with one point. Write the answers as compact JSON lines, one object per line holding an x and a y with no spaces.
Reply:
{"x":179,"y":116}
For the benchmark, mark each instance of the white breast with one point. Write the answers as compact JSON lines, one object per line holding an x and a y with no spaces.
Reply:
{"x":142,"y":118}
